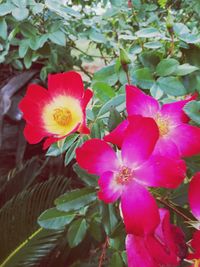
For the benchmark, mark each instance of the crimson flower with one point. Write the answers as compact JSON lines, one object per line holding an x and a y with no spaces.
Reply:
{"x":194,"y":201}
{"x":56,"y":112}
{"x":163,"y":248}
{"x":176,"y":136}
{"x":127,"y":174}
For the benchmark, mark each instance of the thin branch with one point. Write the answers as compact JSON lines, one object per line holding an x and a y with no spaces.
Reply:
{"x":103,"y":253}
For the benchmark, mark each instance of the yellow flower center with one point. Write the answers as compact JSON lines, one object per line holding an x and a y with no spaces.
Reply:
{"x":197,"y":263}
{"x":62,"y":116}
{"x":163,"y":125}
{"x":124,"y":176}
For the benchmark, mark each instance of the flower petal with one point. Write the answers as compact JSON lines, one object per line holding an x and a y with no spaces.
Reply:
{"x":139,"y":103}
{"x":194,"y":195}
{"x":137,"y":253}
{"x":117,"y":135}
{"x":68,"y":83}
{"x":187,"y":139}
{"x":175,"y":111}
{"x":34,"y":134}
{"x":139,"y":210}
{"x":86,"y":98}
{"x":97,"y":157}
{"x":140,"y":139}
{"x":109,"y":190}
{"x":160,"y":171}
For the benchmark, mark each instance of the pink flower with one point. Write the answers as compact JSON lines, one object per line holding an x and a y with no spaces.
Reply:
{"x":164,"y":247}
{"x":56,"y":112}
{"x":127,"y":174}
{"x":194,"y":201}
{"x":176,"y":136}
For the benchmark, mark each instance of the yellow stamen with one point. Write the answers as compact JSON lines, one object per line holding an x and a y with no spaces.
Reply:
{"x":197,"y":263}
{"x":124,"y":176}
{"x":163,"y":125}
{"x":62,"y":116}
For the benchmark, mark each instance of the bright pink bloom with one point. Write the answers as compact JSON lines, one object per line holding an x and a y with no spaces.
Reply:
{"x":176,"y":136}
{"x":127,"y":174}
{"x":194,"y":201}
{"x":56,"y":112}
{"x":195,"y":245}
{"x":164,"y":247}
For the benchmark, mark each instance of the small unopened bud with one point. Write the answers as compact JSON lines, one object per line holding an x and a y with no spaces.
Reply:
{"x":169,"y":23}
{"x":124,"y":58}
{"x":130,"y":5}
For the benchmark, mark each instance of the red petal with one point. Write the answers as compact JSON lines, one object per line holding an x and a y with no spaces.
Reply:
{"x":33,"y":134}
{"x":68,"y":83}
{"x":161,"y":171}
{"x":138,"y":103}
{"x":97,"y":157}
{"x":175,"y":111}
{"x":194,"y":195}
{"x":139,"y":209}
{"x":116,"y":137}
{"x":137,"y":253}
{"x":187,"y":139}
{"x":108,"y":191}
{"x":139,"y":142}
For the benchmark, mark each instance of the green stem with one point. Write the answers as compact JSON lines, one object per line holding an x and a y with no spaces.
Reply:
{"x":20,"y":247}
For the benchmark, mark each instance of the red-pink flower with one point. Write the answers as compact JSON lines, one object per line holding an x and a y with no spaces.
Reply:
{"x":176,"y":136}
{"x":194,"y":201}
{"x":56,"y":112}
{"x":163,"y":248}
{"x":127,"y":174}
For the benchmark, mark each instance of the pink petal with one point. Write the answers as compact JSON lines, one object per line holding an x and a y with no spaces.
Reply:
{"x":175,"y":110}
{"x":97,"y":157}
{"x":117,"y":135}
{"x":68,"y":83}
{"x":139,"y":103}
{"x":160,"y":171}
{"x":187,"y":139}
{"x":139,"y":142}
{"x":139,"y":210}
{"x":166,"y":147}
{"x":137,"y":253}
{"x":194,"y":195}
{"x":109,"y":191}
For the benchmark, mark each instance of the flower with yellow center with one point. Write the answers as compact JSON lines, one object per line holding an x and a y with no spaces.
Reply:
{"x":163,"y":124}
{"x":56,"y":112}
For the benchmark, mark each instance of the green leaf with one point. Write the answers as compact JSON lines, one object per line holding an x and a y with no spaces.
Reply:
{"x":77,"y":232}
{"x":116,"y":260}
{"x":114,"y":119}
{"x":185,"y":69}
{"x":61,"y":146}
{"x":97,"y":37}
{"x":76,"y":199}
{"x":109,"y":218}
{"x":107,"y":75}
{"x":153,"y":45}
{"x":28,"y":30}
{"x":20,"y":13}
{"x":96,"y":130}
{"x":96,"y":230}
{"x":149,"y":59}
{"x":58,"y":38}
{"x":155,"y":91}
{"x":23,"y":48}
{"x":148,"y":33}
{"x":70,"y":154}
{"x":55,"y":219}
{"x":88,"y":179}
{"x":28,"y":59}
{"x":118,"y":102}
{"x":3,"y":28}
{"x":6,"y":9}
{"x":192,"y":109}
{"x":143,"y":78}
{"x":172,"y":86}
{"x":167,"y":67}
{"x":190,"y":38}
{"x":103,"y":91}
